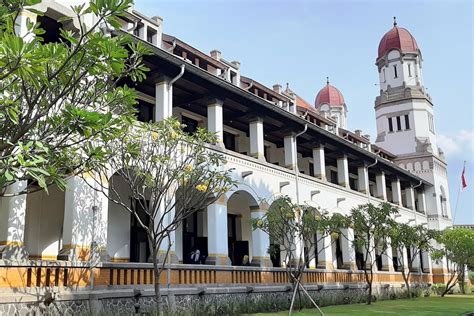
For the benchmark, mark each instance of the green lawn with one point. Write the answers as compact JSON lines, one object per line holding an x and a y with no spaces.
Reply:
{"x":433,"y":306}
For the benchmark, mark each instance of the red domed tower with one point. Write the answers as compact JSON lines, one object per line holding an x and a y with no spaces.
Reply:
{"x":330,"y":100}
{"x":399,"y":59}
{"x":405,"y":116}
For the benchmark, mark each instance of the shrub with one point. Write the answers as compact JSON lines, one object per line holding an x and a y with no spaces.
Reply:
{"x":438,"y":288}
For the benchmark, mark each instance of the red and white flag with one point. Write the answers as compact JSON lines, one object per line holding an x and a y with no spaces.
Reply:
{"x":463,"y":177}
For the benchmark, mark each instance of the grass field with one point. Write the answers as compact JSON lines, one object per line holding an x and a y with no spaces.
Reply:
{"x":433,"y":306}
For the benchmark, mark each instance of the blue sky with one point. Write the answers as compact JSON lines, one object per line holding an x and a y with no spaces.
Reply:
{"x":302,"y":42}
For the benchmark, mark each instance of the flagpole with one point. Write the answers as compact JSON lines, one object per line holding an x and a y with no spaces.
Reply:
{"x":459,"y":193}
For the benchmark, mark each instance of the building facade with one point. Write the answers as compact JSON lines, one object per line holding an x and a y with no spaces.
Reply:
{"x":46,"y":239}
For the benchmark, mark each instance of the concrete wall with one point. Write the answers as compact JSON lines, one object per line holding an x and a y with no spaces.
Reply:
{"x":44,"y":222}
{"x":118,"y":229}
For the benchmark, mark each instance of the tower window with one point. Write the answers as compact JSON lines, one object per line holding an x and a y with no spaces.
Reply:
{"x":399,"y":123}
{"x":390,"y":124}
{"x":431,"y":122}
{"x":409,"y":70}
{"x":395,"y":71}
{"x":407,"y":122}
{"x":384,"y":75}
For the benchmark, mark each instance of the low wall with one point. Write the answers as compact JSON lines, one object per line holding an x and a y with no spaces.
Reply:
{"x":43,"y":274}
{"x":188,"y":301}
{"x":65,"y":288}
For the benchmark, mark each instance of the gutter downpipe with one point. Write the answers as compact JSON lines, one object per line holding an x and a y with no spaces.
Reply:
{"x":414,"y":206}
{"x":420,"y":268}
{"x":170,"y":100}
{"x":181,"y":72}
{"x":300,"y":253}
{"x":368,"y":186}
{"x":173,"y":46}
{"x":296,"y":163}
{"x":250,"y":86}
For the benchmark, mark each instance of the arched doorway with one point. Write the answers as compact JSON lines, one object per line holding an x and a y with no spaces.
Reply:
{"x":44,"y":223}
{"x":127,"y":240}
{"x":191,"y":239}
{"x":239,"y":228}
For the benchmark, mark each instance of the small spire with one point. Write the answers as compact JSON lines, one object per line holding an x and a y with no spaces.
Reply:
{"x":287,"y":86}
{"x":327,"y":80}
{"x":394,"y":21}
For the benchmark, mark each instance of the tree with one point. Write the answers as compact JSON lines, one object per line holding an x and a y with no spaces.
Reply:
{"x":417,"y":239}
{"x":371,"y":225}
{"x":169,"y":174}
{"x":458,"y":249}
{"x":59,"y":97}
{"x":295,"y":227}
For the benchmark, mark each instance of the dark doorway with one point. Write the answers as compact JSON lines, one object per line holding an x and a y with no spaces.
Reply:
{"x":192,"y":242}
{"x":238,"y":249}
{"x":139,"y":246}
{"x":378,"y":258}
{"x":359,"y":256}
{"x":421,"y":261}
{"x":275,"y":255}
{"x":396,"y":265}
{"x":339,"y":260}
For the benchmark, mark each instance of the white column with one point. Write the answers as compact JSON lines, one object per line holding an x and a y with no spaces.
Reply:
{"x":167,"y":215}
{"x":343,"y":171}
{"x":387,"y":258}
{"x":215,"y":119}
{"x":257,"y":149}
{"x":422,"y":202}
{"x":381,"y":186}
{"x":324,"y":248}
{"x":397,"y":192}
{"x":218,"y":253}
{"x":426,"y":268}
{"x":348,"y":251}
{"x":370,"y":256}
{"x":12,"y":223}
{"x":85,"y":220}
{"x":404,"y":260}
{"x":163,"y":99}
{"x":260,"y":242}
{"x":363,"y":179}
{"x":319,"y":162}
{"x":415,"y":267}
{"x":410,"y":195}
{"x":21,"y":25}
{"x":290,"y":152}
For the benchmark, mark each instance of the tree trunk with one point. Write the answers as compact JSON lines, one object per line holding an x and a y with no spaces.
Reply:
{"x":369,"y":284}
{"x":406,"y":278}
{"x":293,"y":297}
{"x":371,"y":278}
{"x":157,"y":273}
{"x":461,"y":280}
{"x":449,"y":286}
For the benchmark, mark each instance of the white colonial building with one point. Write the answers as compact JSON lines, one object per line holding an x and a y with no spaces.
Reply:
{"x":338,"y":168}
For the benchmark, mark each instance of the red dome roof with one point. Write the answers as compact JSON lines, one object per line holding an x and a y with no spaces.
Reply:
{"x":329,"y":95}
{"x":398,"y":38}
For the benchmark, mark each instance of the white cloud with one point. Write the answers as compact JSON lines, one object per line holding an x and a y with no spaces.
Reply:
{"x":456,"y":144}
